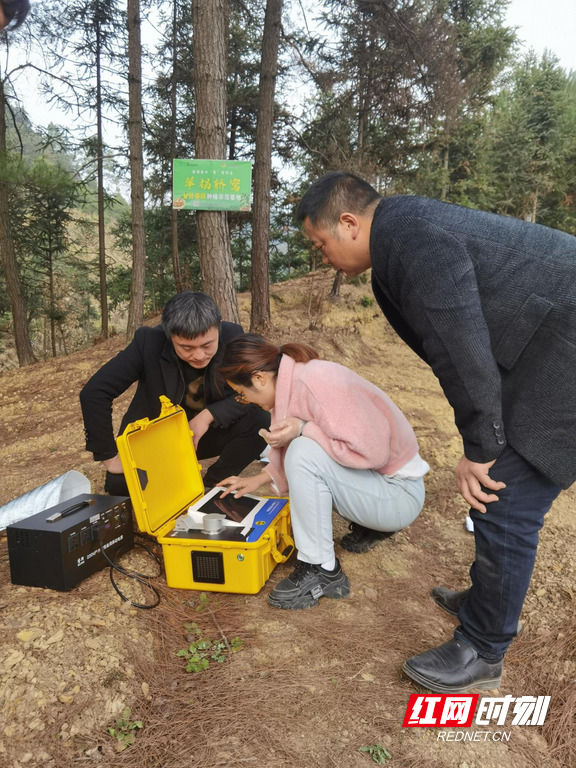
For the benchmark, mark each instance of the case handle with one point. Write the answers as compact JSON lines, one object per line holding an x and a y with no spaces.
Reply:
{"x":287,"y":546}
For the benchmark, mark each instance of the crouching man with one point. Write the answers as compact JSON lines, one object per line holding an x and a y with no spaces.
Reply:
{"x":177,"y":359}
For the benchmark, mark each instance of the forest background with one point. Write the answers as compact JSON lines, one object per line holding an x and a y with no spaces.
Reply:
{"x":428,"y":97}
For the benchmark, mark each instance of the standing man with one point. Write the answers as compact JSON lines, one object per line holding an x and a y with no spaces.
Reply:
{"x":178,"y":359}
{"x":489,"y":302}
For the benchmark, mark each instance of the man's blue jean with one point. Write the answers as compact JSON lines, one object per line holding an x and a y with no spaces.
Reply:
{"x":506,"y":542}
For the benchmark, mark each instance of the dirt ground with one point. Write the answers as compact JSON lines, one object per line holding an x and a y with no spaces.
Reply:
{"x":307,"y":688}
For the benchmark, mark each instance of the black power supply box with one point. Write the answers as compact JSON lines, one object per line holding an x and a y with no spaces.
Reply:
{"x":60,"y":547}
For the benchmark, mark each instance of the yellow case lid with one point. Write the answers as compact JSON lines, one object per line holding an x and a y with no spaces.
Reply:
{"x":160,"y":466}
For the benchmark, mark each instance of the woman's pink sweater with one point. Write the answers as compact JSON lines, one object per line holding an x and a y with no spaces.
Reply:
{"x":350,"y":418}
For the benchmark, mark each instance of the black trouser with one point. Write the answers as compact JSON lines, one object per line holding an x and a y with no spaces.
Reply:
{"x":506,"y":542}
{"x":236,"y":446}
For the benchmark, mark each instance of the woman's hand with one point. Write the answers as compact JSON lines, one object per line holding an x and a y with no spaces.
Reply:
{"x":470,"y":476}
{"x":282,"y":433}
{"x":241,"y":485}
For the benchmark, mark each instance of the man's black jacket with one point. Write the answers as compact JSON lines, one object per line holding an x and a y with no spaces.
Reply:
{"x":489,"y":302}
{"x":150,"y":360}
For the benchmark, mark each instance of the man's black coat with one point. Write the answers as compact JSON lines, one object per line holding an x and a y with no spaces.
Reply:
{"x":150,"y":360}
{"x":489,"y":302}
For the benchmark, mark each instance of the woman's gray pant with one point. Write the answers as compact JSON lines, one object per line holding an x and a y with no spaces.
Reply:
{"x":317,"y":483}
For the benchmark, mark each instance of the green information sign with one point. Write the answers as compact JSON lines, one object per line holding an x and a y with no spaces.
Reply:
{"x":212,"y":185}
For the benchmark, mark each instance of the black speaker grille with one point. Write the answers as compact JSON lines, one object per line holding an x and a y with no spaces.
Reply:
{"x":208,"y":567}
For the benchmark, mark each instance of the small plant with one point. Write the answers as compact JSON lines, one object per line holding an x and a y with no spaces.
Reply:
{"x":203,"y":601}
{"x":378,"y":753}
{"x":366,"y":301}
{"x":236,"y":644}
{"x":201,"y":651}
{"x":125,"y":731}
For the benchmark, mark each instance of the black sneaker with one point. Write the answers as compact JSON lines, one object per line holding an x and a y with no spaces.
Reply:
{"x":307,"y":584}
{"x":361,"y":539}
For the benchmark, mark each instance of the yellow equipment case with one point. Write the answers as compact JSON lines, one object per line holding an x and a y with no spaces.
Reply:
{"x":164,"y":480}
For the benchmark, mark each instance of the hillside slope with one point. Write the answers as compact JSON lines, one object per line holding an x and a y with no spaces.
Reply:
{"x":308,"y":688}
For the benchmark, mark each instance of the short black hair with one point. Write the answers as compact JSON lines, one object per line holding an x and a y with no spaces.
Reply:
{"x":15,"y":10}
{"x":334,"y":194}
{"x":190,"y":314}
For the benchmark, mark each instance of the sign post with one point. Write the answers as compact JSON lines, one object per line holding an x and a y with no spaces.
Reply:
{"x":212,"y":185}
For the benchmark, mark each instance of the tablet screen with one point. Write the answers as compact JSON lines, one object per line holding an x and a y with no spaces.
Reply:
{"x":234,"y":509}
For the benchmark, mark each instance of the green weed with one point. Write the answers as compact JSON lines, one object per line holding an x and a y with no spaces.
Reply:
{"x":202,"y":651}
{"x":378,"y":753}
{"x":126,"y":729}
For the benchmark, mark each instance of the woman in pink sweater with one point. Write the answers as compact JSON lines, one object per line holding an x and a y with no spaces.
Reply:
{"x":337,"y":440}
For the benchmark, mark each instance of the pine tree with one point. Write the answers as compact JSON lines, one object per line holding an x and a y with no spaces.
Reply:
{"x":7,"y":250}
{"x":136,"y":307}
{"x":85,"y":42}
{"x":260,"y":309}
{"x":210,"y":68}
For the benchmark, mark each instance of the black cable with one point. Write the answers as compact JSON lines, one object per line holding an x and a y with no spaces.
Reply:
{"x":139,"y":577}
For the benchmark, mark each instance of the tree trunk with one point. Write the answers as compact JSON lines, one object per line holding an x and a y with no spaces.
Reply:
{"x":136,"y":310}
{"x":210,"y":25}
{"x":233,"y":120}
{"x":260,"y":312}
{"x":446,"y":170}
{"x":362,"y":93}
{"x":100,"y":172}
{"x":63,"y":337}
{"x":336,"y":284}
{"x":8,"y":258}
{"x":287,"y":228}
{"x":173,"y":103}
{"x":52,"y":302}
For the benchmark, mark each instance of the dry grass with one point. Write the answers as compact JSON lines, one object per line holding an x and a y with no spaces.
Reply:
{"x":545,"y":665}
{"x":308,"y":688}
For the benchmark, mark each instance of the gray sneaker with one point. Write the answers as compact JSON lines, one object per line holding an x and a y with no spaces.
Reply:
{"x":307,"y":584}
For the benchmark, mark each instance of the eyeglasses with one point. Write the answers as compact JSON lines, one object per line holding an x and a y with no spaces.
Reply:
{"x":241,"y":398}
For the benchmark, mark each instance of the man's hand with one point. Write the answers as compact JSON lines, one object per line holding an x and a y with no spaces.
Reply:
{"x":282,"y":433}
{"x":114,"y":465}
{"x":469,"y":476}
{"x":241,"y":485}
{"x":199,"y":425}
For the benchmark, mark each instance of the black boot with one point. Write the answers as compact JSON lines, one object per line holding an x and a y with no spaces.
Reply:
{"x":448,"y":600}
{"x":361,"y":539}
{"x":307,"y":584}
{"x":454,"y":667}
{"x":451,"y":601}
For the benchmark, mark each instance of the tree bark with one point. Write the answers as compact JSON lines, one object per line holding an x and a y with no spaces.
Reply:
{"x":51,"y":296}
{"x":260,"y":312}
{"x":176,"y":270}
{"x":336,"y":284}
{"x":233,"y":120}
{"x":136,"y":309}
{"x":100,"y":174}
{"x":63,"y":337}
{"x":446,"y":171}
{"x":210,"y":25}
{"x":9,"y":263}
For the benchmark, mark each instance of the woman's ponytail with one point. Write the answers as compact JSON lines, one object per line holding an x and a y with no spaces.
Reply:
{"x":246,"y":354}
{"x":301,"y":353}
